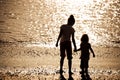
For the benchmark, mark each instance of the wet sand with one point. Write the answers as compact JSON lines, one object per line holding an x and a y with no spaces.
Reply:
{"x":20,"y":62}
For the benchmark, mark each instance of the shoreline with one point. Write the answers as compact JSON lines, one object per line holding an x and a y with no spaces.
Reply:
{"x":52,"y":44}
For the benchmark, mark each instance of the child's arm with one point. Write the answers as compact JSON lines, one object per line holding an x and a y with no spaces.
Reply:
{"x":79,"y":49}
{"x":60,"y":34}
{"x":73,"y":40}
{"x":92,"y":51}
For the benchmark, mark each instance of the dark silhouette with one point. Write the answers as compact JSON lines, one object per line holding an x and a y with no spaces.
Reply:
{"x":66,"y":32}
{"x":85,"y":46}
{"x":70,"y":77}
{"x":62,"y":77}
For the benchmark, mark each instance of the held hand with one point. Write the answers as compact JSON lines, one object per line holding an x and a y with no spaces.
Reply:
{"x":75,"y":50}
{"x":56,"y":45}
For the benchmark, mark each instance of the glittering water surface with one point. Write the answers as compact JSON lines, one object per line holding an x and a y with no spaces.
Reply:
{"x":40,"y":20}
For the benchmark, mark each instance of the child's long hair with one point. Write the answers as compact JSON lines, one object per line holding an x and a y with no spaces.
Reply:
{"x":85,"y":38}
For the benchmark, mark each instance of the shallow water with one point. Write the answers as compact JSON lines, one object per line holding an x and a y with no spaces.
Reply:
{"x":39,"y":20}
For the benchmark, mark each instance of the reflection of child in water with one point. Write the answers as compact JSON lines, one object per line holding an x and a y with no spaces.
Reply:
{"x":85,"y":54}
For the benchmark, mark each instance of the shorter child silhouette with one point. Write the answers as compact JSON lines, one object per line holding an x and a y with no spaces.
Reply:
{"x":85,"y":46}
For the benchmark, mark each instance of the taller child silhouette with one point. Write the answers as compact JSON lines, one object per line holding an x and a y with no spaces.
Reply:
{"x":66,"y":32}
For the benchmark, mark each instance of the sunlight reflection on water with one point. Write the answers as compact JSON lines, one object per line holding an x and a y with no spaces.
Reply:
{"x":40,"y":20}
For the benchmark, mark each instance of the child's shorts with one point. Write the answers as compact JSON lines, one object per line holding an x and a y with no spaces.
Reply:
{"x":66,"y":47}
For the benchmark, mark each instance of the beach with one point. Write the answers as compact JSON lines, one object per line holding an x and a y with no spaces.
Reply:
{"x":20,"y":62}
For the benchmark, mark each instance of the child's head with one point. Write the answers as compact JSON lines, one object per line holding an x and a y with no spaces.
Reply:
{"x":85,"y":38}
{"x":71,"y":20}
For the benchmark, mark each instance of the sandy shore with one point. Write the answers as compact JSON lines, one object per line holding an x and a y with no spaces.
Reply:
{"x":19,"y":62}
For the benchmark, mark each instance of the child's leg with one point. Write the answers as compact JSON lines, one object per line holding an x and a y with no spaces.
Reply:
{"x":61,"y":64}
{"x":86,"y":67}
{"x":87,"y":74}
{"x":62,"y":55}
{"x":82,"y":67}
{"x":69,"y":65}
{"x":82,"y":71}
{"x":69,"y":55}
{"x":82,"y":74}
{"x":86,"y":71}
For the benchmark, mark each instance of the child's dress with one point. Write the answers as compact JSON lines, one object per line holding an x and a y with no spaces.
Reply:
{"x":85,"y":55}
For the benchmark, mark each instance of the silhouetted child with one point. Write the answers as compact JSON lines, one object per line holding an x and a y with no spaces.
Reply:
{"x":66,"y":37}
{"x":85,"y":46}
